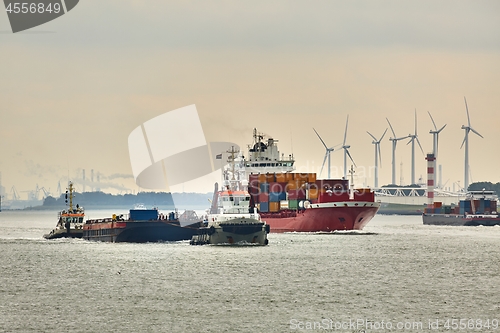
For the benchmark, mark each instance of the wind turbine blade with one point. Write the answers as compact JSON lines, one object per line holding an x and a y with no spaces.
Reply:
{"x":415,"y":121}
{"x":323,"y":142}
{"x":442,"y":128}
{"x":473,"y":130}
{"x":413,"y":138}
{"x":467,"y":109}
{"x":435,"y":127}
{"x":464,"y":138}
{"x":374,"y":138}
{"x":382,"y":136}
{"x":324,"y":160}
{"x":345,"y":133}
{"x":349,"y":154}
{"x":422,"y":149}
{"x":392,"y":129}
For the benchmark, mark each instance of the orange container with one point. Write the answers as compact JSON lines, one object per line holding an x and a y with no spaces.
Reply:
{"x":312,"y":193}
{"x":311,"y":177}
{"x":301,"y":177}
{"x":438,"y":204}
{"x":289,"y":176}
{"x":270,"y":177}
{"x":281,"y":178}
{"x":274,"y":206}
{"x":262,"y":178}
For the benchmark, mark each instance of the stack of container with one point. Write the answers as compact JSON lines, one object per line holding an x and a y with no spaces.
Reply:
{"x":273,"y":192}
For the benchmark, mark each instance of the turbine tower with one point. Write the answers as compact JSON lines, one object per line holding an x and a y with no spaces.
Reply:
{"x":394,"y":143}
{"x":346,"y":150}
{"x":327,"y":154}
{"x":467,"y":129}
{"x":435,"y":136}
{"x":414,"y":137}
{"x":378,"y":155}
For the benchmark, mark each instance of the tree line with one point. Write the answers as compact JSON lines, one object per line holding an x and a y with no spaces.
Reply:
{"x":149,"y":199}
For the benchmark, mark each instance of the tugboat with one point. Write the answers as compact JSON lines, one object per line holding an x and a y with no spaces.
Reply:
{"x":70,"y":221}
{"x":231,"y":219}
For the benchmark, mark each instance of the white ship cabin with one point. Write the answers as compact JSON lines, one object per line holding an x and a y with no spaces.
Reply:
{"x":234,"y":202}
{"x":265,"y":157}
{"x":487,"y":195}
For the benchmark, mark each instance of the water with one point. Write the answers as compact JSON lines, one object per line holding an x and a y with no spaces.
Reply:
{"x":398,"y":271}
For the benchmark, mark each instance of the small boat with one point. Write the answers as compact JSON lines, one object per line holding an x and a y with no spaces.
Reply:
{"x":478,"y":208}
{"x":70,"y":221}
{"x":231,"y":219}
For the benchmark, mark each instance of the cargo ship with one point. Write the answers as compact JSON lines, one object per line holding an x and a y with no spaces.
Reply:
{"x":478,"y":208}
{"x":298,"y":202}
{"x":69,"y":221}
{"x":143,"y":225}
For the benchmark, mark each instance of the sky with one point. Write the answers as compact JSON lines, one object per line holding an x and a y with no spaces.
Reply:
{"x":73,"y":89}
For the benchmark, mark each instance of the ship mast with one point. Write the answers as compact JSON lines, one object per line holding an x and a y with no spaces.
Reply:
{"x":70,"y":189}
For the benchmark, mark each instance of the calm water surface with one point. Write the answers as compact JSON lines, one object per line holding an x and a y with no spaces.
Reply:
{"x":397,"y":272}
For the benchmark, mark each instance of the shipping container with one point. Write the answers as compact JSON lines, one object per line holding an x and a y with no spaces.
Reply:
{"x":253,"y":177}
{"x":293,"y":204}
{"x":438,"y":204}
{"x":298,"y":194}
{"x":263,"y":197}
{"x":364,"y":196}
{"x":281,"y":178}
{"x":284,"y":204}
{"x":301,"y":177}
{"x":277,"y":196}
{"x":264,"y":187}
{"x":274,"y":206}
{"x":270,"y":177}
{"x":277,"y":187}
{"x":264,"y":207}
{"x":312,"y":193}
{"x":262,"y":178}
{"x":493,"y":206}
{"x":311,"y":177}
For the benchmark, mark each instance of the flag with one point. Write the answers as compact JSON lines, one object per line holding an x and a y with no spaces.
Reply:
{"x":218,"y":157}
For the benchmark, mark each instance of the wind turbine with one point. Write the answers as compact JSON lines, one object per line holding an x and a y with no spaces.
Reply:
{"x":346,"y":149}
{"x":467,"y":129}
{"x":327,"y":154}
{"x":394,"y":142}
{"x":378,"y":155}
{"x":435,"y":136}
{"x":414,"y":137}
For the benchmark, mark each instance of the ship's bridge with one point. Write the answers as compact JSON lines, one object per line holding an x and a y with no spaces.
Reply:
{"x":235,"y":201}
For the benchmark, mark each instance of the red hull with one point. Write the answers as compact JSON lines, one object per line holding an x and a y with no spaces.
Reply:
{"x":324,"y":217}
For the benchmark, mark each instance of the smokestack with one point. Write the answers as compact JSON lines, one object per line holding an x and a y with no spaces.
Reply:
{"x":431,"y":162}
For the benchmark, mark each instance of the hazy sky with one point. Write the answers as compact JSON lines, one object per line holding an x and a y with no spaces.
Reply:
{"x":72,"y":90}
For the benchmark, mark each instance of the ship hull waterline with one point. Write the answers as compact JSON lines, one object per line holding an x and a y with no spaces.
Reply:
{"x":142,"y":232}
{"x":326,"y":217}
